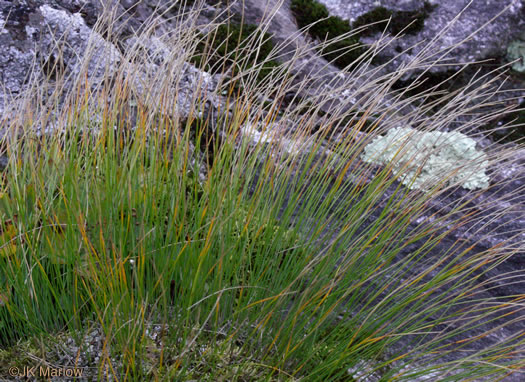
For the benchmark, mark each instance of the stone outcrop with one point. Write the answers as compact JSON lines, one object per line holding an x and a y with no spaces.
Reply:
{"x":50,"y":39}
{"x":499,"y":22}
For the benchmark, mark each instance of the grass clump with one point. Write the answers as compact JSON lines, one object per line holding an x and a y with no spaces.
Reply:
{"x":279,"y":256}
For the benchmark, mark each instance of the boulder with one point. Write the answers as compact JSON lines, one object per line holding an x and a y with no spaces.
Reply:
{"x":50,"y":39}
{"x":499,"y":22}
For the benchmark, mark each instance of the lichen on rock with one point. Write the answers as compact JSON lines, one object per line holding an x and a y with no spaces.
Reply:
{"x":516,"y":52}
{"x":425,"y":158}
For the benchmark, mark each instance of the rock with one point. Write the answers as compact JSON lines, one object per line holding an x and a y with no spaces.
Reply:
{"x":29,"y":34}
{"x":491,"y":41}
{"x":46,"y":42}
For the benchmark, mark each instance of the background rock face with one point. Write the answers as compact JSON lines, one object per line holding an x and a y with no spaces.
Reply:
{"x":489,"y":42}
{"x":29,"y":32}
{"x":25,"y":30}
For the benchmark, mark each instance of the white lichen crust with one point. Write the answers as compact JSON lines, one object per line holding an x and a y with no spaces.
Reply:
{"x":422,"y":159}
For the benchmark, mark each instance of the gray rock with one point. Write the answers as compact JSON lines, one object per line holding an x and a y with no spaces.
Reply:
{"x":46,"y":40}
{"x":499,"y":21}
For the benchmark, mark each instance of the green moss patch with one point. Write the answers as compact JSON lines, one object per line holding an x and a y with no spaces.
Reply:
{"x":379,"y":15}
{"x":410,"y":22}
{"x":223,"y":48}
{"x":308,"y":12}
{"x":343,"y":53}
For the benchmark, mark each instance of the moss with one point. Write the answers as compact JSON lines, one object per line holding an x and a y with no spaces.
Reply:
{"x":333,"y":27}
{"x":379,"y":15}
{"x":229,"y":39}
{"x":344,"y":53}
{"x":19,"y":355}
{"x":409,"y":22}
{"x":308,"y":12}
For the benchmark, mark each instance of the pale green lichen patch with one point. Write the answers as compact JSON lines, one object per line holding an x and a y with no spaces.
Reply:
{"x":516,"y":52}
{"x":424,"y":158}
